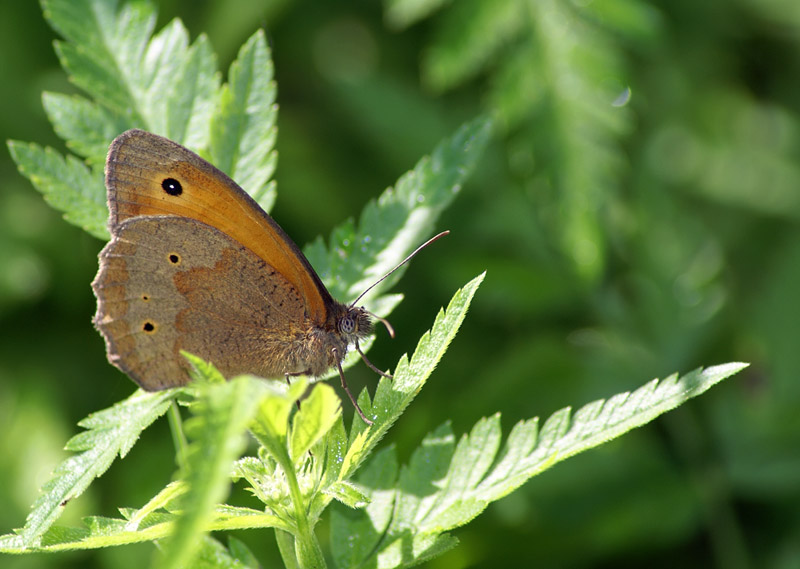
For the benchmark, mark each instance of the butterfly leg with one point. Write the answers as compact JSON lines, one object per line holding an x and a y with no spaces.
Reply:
{"x":372,"y":366}
{"x":347,"y":389}
{"x":286,"y":375}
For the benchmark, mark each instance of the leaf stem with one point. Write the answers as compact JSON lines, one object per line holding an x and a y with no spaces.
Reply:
{"x":306,"y":547}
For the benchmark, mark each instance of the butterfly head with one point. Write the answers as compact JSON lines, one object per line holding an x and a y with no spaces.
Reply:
{"x":354,"y":323}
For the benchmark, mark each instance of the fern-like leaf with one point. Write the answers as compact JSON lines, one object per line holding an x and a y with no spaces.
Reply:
{"x":67,"y":185}
{"x":158,"y":82}
{"x":110,"y":433}
{"x":558,"y":88}
{"x":396,"y":223}
{"x":393,"y":396}
{"x":446,"y":484}
{"x":400,"y":219}
{"x":244,"y":128}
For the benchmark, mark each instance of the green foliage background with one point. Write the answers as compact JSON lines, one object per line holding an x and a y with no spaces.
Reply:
{"x":625,"y":237}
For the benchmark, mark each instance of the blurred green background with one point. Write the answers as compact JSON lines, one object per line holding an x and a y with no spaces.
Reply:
{"x":636,"y":213}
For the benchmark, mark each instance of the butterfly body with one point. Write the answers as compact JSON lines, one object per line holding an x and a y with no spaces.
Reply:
{"x":195,"y":264}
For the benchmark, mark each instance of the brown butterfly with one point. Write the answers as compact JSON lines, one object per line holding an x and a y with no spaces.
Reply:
{"x":195,"y":264}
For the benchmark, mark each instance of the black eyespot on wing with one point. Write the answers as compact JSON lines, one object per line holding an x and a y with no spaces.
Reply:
{"x":172,"y":186}
{"x":174,"y":258}
{"x":148,"y":327}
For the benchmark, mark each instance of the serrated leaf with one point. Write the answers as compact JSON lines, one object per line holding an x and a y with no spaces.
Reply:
{"x":159,"y":83}
{"x":414,"y":549}
{"x":68,"y":185}
{"x":335,"y":449}
{"x":107,"y":532}
{"x":418,"y":486}
{"x":399,"y":220}
{"x":348,"y":494}
{"x":160,"y":72}
{"x":394,"y":225}
{"x":343,"y":456}
{"x":243,"y":131}
{"x":202,"y":371}
{"x":558,"y":86}
{"x":446,"y":485}
{"x":393,"y":396}
{"x":193,"y":99}
{"x":354,"y":535}
{"x":110,"y":433}
{"x":86,"y":126}
{"x":161,"y":501}
{"x":104,"y":50}
{"x":469,"y":38}
{"x":564,"y":434}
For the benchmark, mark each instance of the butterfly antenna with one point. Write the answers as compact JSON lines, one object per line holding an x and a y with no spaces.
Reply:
{"x":400,"y":264}
{"x":383,"y":321}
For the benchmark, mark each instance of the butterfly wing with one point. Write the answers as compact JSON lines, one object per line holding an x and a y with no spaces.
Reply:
{"x":147,"y":174}
{"x":168,"y":283}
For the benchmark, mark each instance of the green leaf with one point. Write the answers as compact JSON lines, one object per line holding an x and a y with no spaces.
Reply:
{"x":110,"y":433}
{"x":377,"y":480}
{"x":273,"y":476}
{"x":87,"y":127}
{"x":161,"y":501}
{"x":558,"y":87}
{"x":157,"y":525}
{"x":393,"y":396}
{"x":242,"y":553}
{"x":104,"y":50}
{"x":336,"y":444}
{"x":271,"y":422}
{"x":468,"y":486}
{"x":415,"y":549}
{"x":159,"y":83}
{"x":216,"y":431}
{"x":318,"y":412}
{"x":202,"y":371}
{"x":469,"y":38}
{"x":68,"y":185}
{"x":347,"y":493}
{"x":153,"y":81}
{"x":244,"y":131}
{"x":400,"y":220}
{"x":193,"y":96}
{"x":446,"y":484}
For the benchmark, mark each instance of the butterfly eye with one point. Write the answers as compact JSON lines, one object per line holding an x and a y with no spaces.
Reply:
{"x":347,"y":325}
